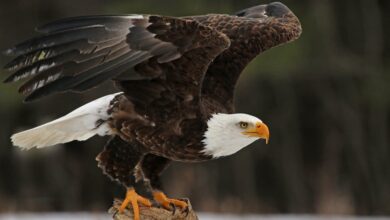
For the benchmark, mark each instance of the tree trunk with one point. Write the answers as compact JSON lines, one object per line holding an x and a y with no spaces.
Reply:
{"x":153,"y":213}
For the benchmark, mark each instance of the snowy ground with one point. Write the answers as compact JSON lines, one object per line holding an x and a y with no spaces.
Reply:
{"x":202,"y":216}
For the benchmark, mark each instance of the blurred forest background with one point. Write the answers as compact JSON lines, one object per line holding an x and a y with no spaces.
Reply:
{"x":326,"y":98}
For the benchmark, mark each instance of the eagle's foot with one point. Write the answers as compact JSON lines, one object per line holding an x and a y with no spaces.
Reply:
{"x":133,"y":198}
{"x":170,"y":204}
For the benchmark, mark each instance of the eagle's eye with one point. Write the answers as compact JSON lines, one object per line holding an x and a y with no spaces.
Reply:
{"x":243,"y":124}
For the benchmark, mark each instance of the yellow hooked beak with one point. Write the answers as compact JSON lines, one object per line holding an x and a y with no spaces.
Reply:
{"x":261,"y":131}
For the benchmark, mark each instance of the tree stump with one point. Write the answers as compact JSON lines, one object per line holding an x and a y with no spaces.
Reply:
{"x":152,"y":213}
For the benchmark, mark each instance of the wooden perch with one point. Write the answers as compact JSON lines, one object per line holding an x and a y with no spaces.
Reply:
{"x":152,"y":213}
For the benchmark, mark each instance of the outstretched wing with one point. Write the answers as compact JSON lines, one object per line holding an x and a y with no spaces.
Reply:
{"x":76,"y":54}
{"x":251,"y":32}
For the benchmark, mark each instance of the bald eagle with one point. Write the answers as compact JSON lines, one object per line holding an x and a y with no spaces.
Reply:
{"x":176,"y":75}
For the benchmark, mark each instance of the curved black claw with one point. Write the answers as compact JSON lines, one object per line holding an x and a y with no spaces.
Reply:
{"x":173,"y":207}
{"x":187,"y":210}
{"x":115,"y":213}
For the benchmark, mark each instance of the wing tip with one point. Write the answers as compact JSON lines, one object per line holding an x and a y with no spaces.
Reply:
{"x":40,"y":93}
{"x":9,"y":51}
{"x":31,"y":97}
{"x":9,"y":79}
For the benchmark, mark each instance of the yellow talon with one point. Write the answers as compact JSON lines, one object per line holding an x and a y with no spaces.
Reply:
{"x":166,"y":202}
{"x":133,"y":198}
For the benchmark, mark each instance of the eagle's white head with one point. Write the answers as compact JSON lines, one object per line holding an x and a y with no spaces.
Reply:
{"x":228,"y":133}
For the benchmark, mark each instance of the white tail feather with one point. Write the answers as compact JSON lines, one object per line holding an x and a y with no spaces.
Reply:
{"x":81,"y":124}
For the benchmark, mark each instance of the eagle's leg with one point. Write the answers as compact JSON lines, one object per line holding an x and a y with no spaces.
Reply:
{"x":118,"y":160}
{"x":152,"y":167}
{"x":133,"y":198}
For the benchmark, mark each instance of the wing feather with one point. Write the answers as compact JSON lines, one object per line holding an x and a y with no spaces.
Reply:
{"x":112,"y":22}
{"x":83,"y":46}
{"x":94,"y":34}
{"x":64,"y":83}
{"x":76,"y":54}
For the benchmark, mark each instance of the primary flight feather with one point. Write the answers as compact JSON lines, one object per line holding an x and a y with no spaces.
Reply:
{"x":177,"y":77}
